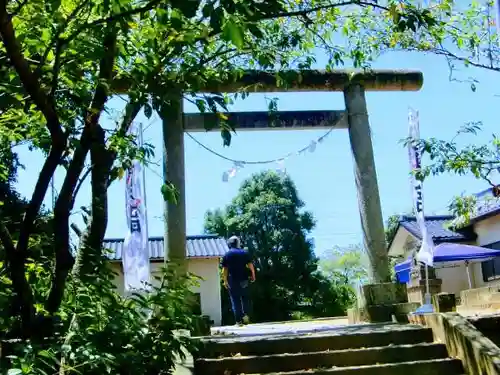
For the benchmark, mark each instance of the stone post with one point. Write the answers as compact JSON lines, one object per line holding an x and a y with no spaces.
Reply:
{"x":173,"y":172}
{"x":366,"y":183}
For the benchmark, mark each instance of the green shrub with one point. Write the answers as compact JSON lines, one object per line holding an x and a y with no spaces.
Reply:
{"x":100,"y":332}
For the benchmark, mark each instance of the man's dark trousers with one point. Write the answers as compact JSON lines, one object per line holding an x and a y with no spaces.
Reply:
{"x":238,"y":292}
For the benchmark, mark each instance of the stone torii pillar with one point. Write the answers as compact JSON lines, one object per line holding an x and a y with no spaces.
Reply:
{"x":353,"y":84}
{"x":365,"y":175}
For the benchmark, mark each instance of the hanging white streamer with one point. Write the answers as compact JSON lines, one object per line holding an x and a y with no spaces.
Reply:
{"x":239,"y":164}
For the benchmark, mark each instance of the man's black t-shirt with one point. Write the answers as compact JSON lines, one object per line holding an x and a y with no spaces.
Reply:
{"x":236,"y":261}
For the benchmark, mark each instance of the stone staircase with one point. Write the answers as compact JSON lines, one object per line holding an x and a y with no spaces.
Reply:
{"x":383,"y":349}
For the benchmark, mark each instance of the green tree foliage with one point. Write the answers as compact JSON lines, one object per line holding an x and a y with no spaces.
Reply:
{"x":107,"y":333}
{"x":96,"y":330}
{"x":392,"y":224}
{"x":391,"y":227}
{"x":478,"y":160}
{"x":465,"y":35}
{"x":267,"y":214}
{"x":349,"y":263}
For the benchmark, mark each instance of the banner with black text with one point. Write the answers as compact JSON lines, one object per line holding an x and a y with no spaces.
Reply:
{"x":135,"y":257}
{"x":426,"y":252}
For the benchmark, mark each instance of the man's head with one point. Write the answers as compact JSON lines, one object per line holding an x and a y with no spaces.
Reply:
{"x":233,"y":242}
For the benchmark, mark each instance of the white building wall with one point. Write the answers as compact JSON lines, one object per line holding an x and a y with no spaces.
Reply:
{"x":209,"y":284}
{"x":488,"y":231}
{"x":453,"y":276}
{"x":210,"y":288}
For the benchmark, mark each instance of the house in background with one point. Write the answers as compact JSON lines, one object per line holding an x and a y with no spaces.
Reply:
{"x":203,"y":257}
{"x":483,"y":230}
{"x":486,"y":224}
{"x":407,"y":239}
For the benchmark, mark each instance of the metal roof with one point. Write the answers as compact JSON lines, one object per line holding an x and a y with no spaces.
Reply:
{"x":436,"y":226}
{"x":202,"y":246}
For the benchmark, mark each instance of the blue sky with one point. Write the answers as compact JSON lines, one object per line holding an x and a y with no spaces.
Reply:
{"x":324,"y":178}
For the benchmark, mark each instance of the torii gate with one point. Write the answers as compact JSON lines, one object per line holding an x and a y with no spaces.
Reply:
{"x":353,"y":84}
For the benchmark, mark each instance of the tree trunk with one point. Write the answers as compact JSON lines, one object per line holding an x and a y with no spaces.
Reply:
{"x":64,"y":205}
{"x":90,"y":251}
{"x":92,"y":133}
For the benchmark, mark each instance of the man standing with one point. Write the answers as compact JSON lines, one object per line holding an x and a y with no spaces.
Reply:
{"x":236,"y":264}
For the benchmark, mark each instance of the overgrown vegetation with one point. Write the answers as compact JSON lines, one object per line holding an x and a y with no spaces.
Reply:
{"x":96,"y":330}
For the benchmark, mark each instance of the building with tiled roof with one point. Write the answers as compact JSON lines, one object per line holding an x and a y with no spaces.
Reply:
{"x":408,"y":231}
{"x":203,"y":254}
{"x":201,"y":246}
{"x":486,"y":206}
{"x":482,"y":230}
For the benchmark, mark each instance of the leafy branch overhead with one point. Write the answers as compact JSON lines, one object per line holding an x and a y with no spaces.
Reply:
{"x":465,"y":36}
{"x":480,"y":161}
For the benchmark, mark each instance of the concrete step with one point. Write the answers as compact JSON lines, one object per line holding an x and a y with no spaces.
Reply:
{"x":352,"y":337}
{"x":323,"y":359}
{"x":446,"y":366}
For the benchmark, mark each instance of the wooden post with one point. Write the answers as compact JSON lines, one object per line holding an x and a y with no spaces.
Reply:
{"x":366,"y":183}
{"x":173,"y":172}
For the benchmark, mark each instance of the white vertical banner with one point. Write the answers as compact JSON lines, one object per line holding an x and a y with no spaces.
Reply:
{"x":426,"y":252}
{"x":135,"y":255}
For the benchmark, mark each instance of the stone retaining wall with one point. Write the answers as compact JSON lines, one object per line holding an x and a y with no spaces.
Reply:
{"x":479,"y":354}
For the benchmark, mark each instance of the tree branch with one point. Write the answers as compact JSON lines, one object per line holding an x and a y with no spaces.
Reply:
{"x":55,"y":39}
{"x":24,"y":294}
{"x":79,"y":185}
{"x":305,"y":12}
{"x":448,"y":54}
{"x":62,"y":209}
{"x":91,"y":240}
{"x":77,"y":230}
{"x":150,"y":5}
{"x":65,"y":201}
{"x":32,"y":85}
{"x":30,"y":82}
{"x":111,"y":19}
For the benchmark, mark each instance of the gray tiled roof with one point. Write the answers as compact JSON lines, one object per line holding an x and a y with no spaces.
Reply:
{"x":487,"y":205}
{"x":203,"y":246}
{"x":436,"y":226}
